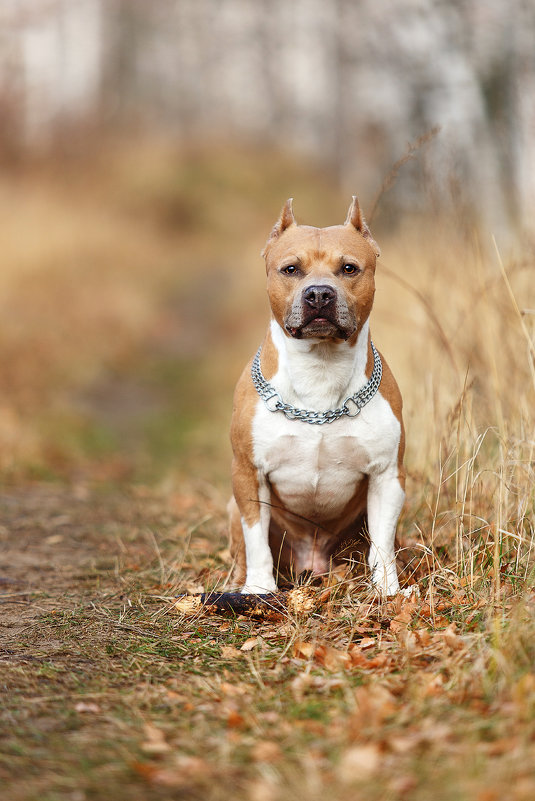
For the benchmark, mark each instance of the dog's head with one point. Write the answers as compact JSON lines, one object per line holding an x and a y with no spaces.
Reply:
{"x":321,"y":281}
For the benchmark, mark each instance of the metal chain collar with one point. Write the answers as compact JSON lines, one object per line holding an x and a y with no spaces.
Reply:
{"x":274,"y":402}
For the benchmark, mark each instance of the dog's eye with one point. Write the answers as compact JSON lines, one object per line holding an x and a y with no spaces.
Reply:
{"x":290,"y":269}
{"x":350,"y":269}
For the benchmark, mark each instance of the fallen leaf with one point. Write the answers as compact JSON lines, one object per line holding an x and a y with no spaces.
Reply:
{"x":402,"y":619}
{"x":249,"y":644}
{"x":359,"y":659}
{"x":155,"y":742}
{"x":54,"y":539}
{"x":403,"y":784}
{"x":358,"y":763}
{"x":144,"y":769}
{"x":229,"y":652}
{"x":450,"y":637}
{"x":332,"y":658}
{"x":234,"y":690}
{"x":303,"y":649}
{"x":266,"y":751}
{"x":423,"y":636}
{"x":408,"y":640}
{"x":301,"y":684}
{"x":404,"y":743}
{"x":82,"y":706}
{"x":263,"y":789}
{"x":435,"y":685}
{"x":234,"y":719}
{"x":186,"y":769}
{"x":374,"y":704}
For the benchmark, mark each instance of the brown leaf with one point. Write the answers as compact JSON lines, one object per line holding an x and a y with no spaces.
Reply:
{"x":249,"y":644}
{"x":144,"y":769}
{"x":408,"y":640}
{"x":359,"y":659}
{"x":155,"y":741}
{"x":358,"y":763}
{"x":374,"y":703}
{"x":266,"y":751}
{"x":424,"y":637}
{"x":186,"y":769}
{"x":234,"y":719}
{"x":303,"y":649}
{"x":402,"y":619}
{"x":379,"y":661}
{"x":234,"y":690}
{"x":229,"y":652}
{"x":450,"y":637}
{"x":82,"y":706}
{"x":332,"y":658}
{"x":324,"y":655}
{"x":402,"y":785}
{"x":435,"y":685}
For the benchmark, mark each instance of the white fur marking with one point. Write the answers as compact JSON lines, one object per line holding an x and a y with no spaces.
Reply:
{"x":259,"y":560}
{"x":316,"y":469}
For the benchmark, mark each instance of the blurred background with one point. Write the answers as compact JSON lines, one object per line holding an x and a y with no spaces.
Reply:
{"x":146,"y":150}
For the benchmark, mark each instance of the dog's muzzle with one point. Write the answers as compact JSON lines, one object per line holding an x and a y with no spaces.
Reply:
{"x":319,"y":312}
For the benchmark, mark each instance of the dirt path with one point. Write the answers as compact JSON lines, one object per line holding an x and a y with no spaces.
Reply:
{"x":77,"y":569}
{"x":62,"y":548}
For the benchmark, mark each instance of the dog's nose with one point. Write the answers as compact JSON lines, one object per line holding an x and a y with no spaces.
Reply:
{"x":319,"y":296}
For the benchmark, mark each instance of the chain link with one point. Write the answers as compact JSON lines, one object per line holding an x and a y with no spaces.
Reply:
{"x":274,"y":402}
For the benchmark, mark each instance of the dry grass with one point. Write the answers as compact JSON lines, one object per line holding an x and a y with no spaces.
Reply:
{"x":131,"y":293}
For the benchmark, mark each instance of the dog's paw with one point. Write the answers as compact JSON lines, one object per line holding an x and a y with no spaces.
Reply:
{"x":412,"y":590}
{"x":259,"y":589}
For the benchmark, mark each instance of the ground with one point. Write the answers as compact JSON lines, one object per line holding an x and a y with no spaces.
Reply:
{"x":108,"y":693}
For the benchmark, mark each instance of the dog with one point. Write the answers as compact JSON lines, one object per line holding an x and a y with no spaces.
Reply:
{"x":317,"y":430}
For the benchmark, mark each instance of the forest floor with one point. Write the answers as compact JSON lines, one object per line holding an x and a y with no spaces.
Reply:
{"x":109,"y":693}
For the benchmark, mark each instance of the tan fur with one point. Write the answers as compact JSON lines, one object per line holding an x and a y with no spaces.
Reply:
{"x":244,"y":477}
{"x":390,"y":392}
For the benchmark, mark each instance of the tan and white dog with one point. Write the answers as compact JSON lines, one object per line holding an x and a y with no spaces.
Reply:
{"x":317,"y":431}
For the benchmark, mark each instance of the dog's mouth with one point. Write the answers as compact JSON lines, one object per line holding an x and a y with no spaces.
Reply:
{"x":319,"y":328}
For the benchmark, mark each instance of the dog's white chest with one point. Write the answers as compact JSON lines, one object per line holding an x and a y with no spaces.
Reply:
{"x":316,"y":470}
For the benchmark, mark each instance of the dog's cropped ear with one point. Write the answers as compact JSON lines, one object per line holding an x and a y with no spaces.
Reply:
{"x":355,"y":218}
{"x":285,"y":220}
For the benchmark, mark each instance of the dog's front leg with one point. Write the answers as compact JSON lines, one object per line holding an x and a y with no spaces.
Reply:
{"x":253,"y":497}
{"x":385,"y":499}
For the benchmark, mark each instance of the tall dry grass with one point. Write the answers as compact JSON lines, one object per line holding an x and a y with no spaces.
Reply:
{"x":462,"y":346}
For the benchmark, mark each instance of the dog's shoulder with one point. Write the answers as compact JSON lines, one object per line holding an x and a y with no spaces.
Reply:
{"x":390,"y":391}
{"x":247,"y":399}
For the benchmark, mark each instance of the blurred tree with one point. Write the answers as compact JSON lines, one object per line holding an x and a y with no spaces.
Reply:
{"x":347,"y":82}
